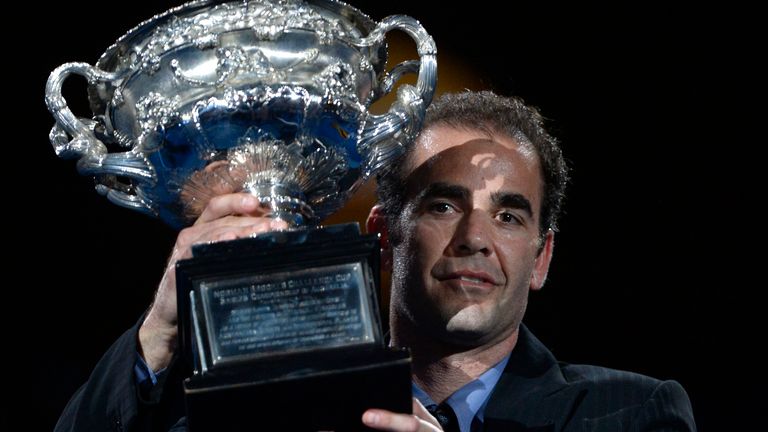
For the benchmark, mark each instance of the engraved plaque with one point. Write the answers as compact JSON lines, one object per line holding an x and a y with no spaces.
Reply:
{"x":286,"y":298}
{"x":286,"y":312}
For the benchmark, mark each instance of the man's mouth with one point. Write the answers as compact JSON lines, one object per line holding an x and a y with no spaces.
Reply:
{"x":471,"y":277}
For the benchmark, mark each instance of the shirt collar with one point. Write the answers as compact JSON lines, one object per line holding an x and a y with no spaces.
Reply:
{"x":469,"y":401}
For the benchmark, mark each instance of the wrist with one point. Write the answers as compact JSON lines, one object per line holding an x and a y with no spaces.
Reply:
{"x":157,"y":344}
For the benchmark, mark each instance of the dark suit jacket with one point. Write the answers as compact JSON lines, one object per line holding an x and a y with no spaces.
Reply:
{"x":535,"y":393}
{"x":111,"y":401}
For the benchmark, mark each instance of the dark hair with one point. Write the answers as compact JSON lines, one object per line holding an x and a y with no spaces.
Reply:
{"x":489,"y":112}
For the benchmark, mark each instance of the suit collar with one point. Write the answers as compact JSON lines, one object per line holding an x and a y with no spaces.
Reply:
{"x":532,"y":393}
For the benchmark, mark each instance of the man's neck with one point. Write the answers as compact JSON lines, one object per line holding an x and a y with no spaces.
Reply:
{"x":441,"y":368}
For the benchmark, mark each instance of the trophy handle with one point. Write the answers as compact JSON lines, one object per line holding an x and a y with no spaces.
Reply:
{"x":385,"y":136}
{"x":94,"y":157}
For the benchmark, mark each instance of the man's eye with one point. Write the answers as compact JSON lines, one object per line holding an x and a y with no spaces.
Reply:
{"x":508,"y":218}
{"x":440,"y":207}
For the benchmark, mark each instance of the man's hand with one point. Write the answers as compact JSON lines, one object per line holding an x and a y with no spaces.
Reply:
{"x":227,"y":217}
{"x":420,"y":421}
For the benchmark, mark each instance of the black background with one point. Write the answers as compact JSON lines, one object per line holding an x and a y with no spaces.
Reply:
{"x":657,"y":266}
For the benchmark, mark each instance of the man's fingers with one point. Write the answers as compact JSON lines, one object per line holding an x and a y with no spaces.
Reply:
{"x":240,"y":227}
{"x":422,"y":413}
{"x":254,"y":227}
{"x":231,"y":204}
{"x":389,"y":421}
{"x":208,"y":232}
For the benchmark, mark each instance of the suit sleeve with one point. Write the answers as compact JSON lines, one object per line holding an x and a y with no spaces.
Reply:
{"x":668,"y":409}
{"x":110,"y":400}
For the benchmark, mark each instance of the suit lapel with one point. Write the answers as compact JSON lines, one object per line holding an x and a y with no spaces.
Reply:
{"x":532,"y":394}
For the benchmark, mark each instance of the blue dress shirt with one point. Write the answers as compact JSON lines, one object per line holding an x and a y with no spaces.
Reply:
{"x":469,"y":401}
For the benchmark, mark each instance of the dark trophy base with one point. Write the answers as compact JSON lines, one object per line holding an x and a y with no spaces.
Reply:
{"x":282,"y":332}
{"x":326,"y":400}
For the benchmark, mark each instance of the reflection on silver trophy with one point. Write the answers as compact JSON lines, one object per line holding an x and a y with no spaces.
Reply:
{"x":269,"y":97}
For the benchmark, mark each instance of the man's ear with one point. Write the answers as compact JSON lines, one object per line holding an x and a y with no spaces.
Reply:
{"x":541,"y":264}
{"x":377,"y":223}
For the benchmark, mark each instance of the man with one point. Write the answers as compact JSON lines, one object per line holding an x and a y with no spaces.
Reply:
{"x":467,"y":222}
{"x":470,"y":219}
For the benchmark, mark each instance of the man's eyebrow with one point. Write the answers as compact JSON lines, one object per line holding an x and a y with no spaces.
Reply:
{"x":512,"y":200}
{"x":444,"y":190}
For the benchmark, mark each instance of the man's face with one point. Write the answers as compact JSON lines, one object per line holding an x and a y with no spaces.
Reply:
{"x":468,"y":243}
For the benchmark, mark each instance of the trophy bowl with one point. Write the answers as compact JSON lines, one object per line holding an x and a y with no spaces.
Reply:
{"x":265,"y":96}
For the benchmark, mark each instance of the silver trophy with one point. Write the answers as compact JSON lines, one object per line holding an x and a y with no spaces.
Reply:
{"x":270,"y":97}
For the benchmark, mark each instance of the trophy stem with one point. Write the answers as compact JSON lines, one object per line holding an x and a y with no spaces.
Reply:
{"x":284,"y":204}
{"x":294,"y":212}
{"x":275,"y":176}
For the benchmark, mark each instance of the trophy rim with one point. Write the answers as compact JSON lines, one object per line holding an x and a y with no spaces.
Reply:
{"x":108,"y":60}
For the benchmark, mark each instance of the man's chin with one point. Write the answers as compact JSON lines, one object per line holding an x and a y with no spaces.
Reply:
{"x":467,"y":327}
{"x":464,"y":338}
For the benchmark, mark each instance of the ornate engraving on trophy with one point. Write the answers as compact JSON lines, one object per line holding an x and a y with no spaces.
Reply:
{"x":181,"y":91}
{"x":286,"y":312}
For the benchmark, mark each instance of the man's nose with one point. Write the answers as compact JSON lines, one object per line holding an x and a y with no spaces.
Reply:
{"x":472,"y":234}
